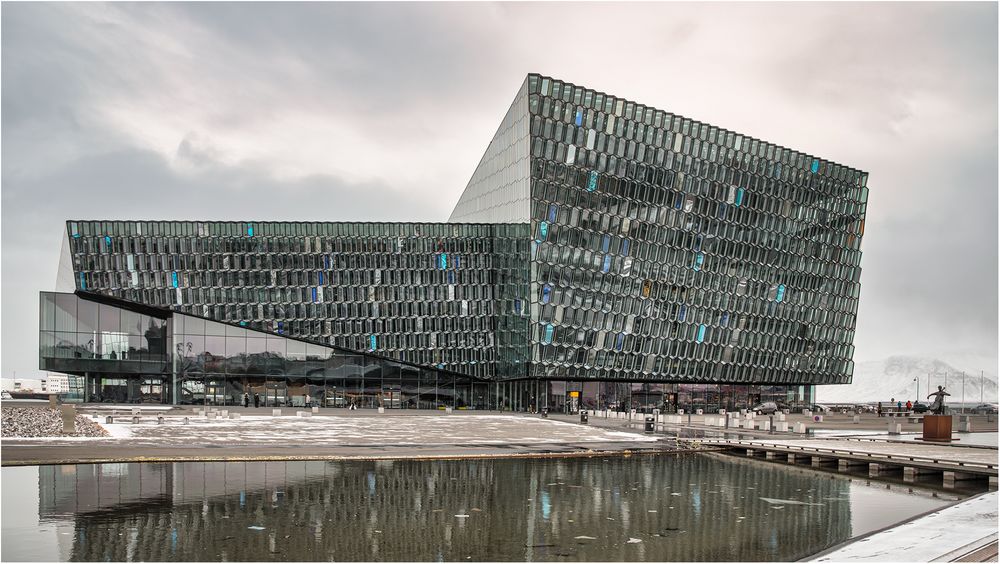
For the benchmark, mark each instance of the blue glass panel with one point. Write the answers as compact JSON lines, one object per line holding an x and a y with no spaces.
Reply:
{"x":326,"y":262}
{"x":579,"y":118}
{"x":592,"y":182}
{"x":517,"y":307}
{"x":249,"y":230}
{"x":173,"y":276}
{"x":777,"y":170}
{"x":372,"y":342}
{"x":553,"y":209}
{"x":107,"y":240}
{"x":739,"y":197}
{"x":724,"y":320}
{"x":780,"y":294}
{"x":83,"y":283}
{"x":625,"y":244}
{"x":679,"y":202}
{"x":619,"y":340}
{"x":451,"y":276}
{"x":443,"y":259}
{"x":607,"y":263}
{"x":605,"y":243}
{"x":457,"y":260}
{"x":682,"y":312}
{"x":815,"y":166}
{"x":722,"y":210}
{"x":546,"y":290}
{"x":548,"y":334}
{"x":701,"y":333}
{"x":543,"y":230}
{"x":698,"y":260}
{"x":314,"y":295}
{"x":321,"y":278}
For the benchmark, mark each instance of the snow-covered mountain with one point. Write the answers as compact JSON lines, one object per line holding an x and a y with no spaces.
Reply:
{"x":893,"y":377}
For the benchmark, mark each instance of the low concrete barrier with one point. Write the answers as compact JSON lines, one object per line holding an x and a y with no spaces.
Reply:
{"x":800,"y":427}
{"x":382,"y":409}
{"x":315,"y":409}
{"x":780,"y":415}
{"x":234,"y":415}
{"x":895,"y":428}
{"x":275,"y":413}
{"x":781,"y":426}
{"x":699,"y":412}
{"x":765,"y":425}
{"x":304,"y":413}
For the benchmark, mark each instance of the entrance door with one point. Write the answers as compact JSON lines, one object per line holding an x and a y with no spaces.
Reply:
{"x":573,"y":402}
{"x":392,"y":396}
{"x":277,"y":393}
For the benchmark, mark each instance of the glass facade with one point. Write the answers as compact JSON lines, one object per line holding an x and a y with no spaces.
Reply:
{"x":120,"y":353}
{"x":668,"y":249}
{"x":604,"y":253}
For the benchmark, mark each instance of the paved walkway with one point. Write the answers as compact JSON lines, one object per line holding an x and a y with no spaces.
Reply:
{"x":353,"y":435}
{"x":899,"y":452}
{"x":963,"y":532}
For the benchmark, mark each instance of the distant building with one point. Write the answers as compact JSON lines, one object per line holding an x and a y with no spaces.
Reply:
{"x":605,"y":254}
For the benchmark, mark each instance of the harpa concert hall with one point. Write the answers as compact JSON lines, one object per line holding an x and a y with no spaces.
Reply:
{"x":605,"y":254}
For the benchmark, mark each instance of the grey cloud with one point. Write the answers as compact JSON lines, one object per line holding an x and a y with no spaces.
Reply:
{"x":906,"y":91}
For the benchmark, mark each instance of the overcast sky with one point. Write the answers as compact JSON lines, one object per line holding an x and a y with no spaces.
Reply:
{"x":356,"y":111}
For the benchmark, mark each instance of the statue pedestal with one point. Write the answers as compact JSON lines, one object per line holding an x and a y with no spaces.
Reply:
{"x":937,"y":428}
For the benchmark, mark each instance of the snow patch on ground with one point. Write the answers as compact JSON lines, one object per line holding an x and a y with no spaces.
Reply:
{"x":927,"y":538}
{"x":339,"y":431}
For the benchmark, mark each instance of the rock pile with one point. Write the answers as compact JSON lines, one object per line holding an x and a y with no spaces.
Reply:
{"x":44,"y":422}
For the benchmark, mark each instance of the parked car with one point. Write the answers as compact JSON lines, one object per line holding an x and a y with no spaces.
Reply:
{"x":766,"y":408}
{"x":816,"y":408}
{"x":920,"y":407}
{"x":984,"y":409}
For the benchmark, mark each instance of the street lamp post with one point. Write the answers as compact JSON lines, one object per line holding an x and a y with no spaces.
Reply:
{"x":981,"y":386}
{"x":917,"y":380}
{"x":963,"y":392}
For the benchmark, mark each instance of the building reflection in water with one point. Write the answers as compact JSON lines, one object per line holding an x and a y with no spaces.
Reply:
{"x":682,"y":508}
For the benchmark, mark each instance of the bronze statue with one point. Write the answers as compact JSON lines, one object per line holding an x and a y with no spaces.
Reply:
{"x":937,"y":408}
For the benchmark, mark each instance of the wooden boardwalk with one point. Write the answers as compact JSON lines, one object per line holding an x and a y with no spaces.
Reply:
{"x":913,"y":460}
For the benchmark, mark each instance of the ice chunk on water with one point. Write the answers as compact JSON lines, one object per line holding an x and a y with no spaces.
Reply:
{"x":256,"y":528}
{"x":584,"y":537}
{"x":633,"y":541}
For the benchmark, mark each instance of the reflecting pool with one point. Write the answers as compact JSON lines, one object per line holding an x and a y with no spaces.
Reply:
{"x":656,"y":508}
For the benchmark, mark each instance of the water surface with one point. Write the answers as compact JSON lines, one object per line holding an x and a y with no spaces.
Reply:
{"x":656,"y":508}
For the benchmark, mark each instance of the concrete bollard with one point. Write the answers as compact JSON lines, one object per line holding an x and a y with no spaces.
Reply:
{"x":780,"y":415}
{"x":275,"y":413}
{"x":135,"y":411}
{"x":964,"y":424}
{"x":857,"y":419}
{"x":109,"y":419}
{"x":800,"y":427}
{"x":68,"y":415}
{"x":305,"y":414}
{"x":135,"y":419}
{"x":807,"y":413}
{"x":224,"y":413}
{"x":315,"y":409}
{"x":680,"y":412}
{"x":186,"y":421}
{"x":765,"y":425}
{"x":446,"y":410}
{"x":699,"y":412}
{"x":722,"y":412}
{"x":234,"y":415}
{"x":382,"y":409}
{"x":895,"y":428}
{"x":159,"y":420}
{"x":781,"y":426}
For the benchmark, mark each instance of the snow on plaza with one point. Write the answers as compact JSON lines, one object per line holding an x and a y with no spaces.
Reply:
{"x":347,"y":431}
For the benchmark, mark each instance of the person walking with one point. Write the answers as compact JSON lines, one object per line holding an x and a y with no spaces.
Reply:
{"x":256,"y":399}
{"x":909,"y":405}
{"x":246,"y":399}
{"x":899,"y":406}
{"x":308,"y":401}
{"x":879,"y":409}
